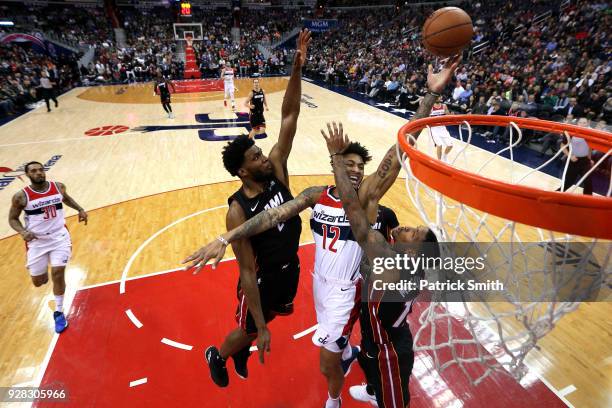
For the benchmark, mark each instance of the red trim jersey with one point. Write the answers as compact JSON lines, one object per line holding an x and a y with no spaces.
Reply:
{"x":44,"y":211}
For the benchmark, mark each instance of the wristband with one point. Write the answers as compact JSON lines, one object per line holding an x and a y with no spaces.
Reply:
{"x":223,"y":240}
{"x":432,"y":93}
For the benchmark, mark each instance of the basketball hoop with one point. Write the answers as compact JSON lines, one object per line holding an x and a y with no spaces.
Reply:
{"x":500,"y":218}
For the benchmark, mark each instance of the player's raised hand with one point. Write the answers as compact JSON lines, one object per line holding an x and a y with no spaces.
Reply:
{"x":213,"y":250}
{"x":263,"y":342}
{"x":303,"y":42}
{"x":336,"y":140}
{"x":436,"y":82}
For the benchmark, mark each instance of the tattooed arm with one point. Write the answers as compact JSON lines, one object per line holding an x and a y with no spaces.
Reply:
{"x":69,"y":201}
{"x":377,"y":184}
{"x":256,"y":225}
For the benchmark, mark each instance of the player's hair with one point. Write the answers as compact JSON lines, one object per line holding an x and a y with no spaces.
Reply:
{"x":233,"y":153}
{"x":358,"y":149}
{"x":432,"y":248}
{"x":25,"y":169}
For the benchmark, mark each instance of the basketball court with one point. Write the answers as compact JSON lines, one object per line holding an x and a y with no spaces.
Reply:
{"x":155,"y":190}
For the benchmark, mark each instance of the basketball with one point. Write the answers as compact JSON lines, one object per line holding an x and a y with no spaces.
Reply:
{"x":447,"y":31}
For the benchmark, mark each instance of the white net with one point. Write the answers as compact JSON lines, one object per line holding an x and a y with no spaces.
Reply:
{"x":545,"y":274}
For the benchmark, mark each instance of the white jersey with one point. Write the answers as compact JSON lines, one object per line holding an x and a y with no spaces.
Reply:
{"x":44,"y":211}
{"x":228,"y":76}
{"x":440,"y":134}
{"x":337,"y":254}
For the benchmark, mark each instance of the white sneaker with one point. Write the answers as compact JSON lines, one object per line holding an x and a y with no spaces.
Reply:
{"x":359,"y":393}
{"x":171,"y":115}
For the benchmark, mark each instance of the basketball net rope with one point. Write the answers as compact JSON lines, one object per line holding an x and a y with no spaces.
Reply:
{"x":499,"y":338}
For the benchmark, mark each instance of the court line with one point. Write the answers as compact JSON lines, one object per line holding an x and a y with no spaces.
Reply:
{"x":133,"y":318}
{"x":305,"y":332}
{"x":176,"y":344}
{"x":152,"y":237}
{"x":567,"y":390}
{"x":138,"y":382}
{"x":45,"y":363}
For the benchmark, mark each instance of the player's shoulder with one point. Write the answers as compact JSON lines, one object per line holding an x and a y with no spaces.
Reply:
{"x":20,"y":197}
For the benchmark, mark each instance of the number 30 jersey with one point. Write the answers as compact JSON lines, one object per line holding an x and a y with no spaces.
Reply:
{"x":337,"y":253}
{"x":44,"y":211}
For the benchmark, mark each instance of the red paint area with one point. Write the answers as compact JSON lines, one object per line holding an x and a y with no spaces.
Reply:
{"x":198,"y":85}
{"x":5,"y":170}
{"x":102,"y":352}
{"x":107,"y":130}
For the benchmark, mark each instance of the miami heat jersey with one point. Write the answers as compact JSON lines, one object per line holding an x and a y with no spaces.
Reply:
{"x":258,"y":101}
{"x":228,"y":76}
{"x":279,"y":244}
{"x":337,"y":253}
{"x":44,"y":211}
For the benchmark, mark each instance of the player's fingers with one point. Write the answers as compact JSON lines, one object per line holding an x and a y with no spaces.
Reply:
{"x":341,"y":129}
{"x":324,"y":135}
{"x":261,"y":351}
{"x":335,"y":128}
{"x":329,"y":129}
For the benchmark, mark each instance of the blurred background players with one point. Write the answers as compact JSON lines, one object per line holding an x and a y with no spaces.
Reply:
{"x":162,"y":88}
{"x":256,"y":101}
{"x":227,"y":74}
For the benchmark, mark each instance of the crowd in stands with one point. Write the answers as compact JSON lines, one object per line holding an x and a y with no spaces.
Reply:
{"x":553,"y":69}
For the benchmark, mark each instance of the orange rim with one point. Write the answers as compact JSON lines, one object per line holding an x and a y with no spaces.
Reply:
{"x":576,"y":214}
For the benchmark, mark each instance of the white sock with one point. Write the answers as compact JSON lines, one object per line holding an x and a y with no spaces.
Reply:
{"x":347,"y":352}
{"x":332,"y":402}
{"x":444,"y":158}
{"x":59,"y":303}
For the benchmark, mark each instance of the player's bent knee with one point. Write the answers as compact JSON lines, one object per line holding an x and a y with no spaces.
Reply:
{"x":40,"y":280}
{"x":57,"y":272}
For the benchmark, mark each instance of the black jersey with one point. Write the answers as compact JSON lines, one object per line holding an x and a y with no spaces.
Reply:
{"x":162,"y":87}
{"x":391,"y":311}
{"x":278,"y":244}
{"x":386,"y":220}
{"x":257,"y":100}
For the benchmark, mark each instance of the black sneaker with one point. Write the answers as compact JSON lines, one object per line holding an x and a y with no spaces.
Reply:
{"x":240,"y":362}
{"x":216,"y":364}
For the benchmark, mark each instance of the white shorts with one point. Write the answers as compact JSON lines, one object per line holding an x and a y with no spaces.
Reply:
{"x":229,"y":90}
{"x":337,"y":308}
{"x":441,"y":137}
{"x":54,"y":250}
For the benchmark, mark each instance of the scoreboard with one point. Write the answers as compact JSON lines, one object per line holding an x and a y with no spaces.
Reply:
{"x":185,"y":9}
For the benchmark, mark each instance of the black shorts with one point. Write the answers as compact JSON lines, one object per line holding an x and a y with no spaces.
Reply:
{"x":257,"y":120}
{"x":277,"y":288}
{"x":165,"y":98}
{"x":388,"y":366}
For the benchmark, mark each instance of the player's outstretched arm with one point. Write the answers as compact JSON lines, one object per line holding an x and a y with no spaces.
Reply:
{"x":290,"y":111}
{"x":18,"y":203}
{"x":70,"y":202}
{"x":377,"y":184}
{"x":256,"y":225}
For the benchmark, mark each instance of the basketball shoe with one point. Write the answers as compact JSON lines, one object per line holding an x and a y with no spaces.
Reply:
{"x":360,"y":393}
{"x":60,"y":322}
{"x":216,"y":364}
{"x":346,"y":364}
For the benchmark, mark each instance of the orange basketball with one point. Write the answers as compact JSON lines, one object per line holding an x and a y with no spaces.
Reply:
{"x":447,"y":31}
